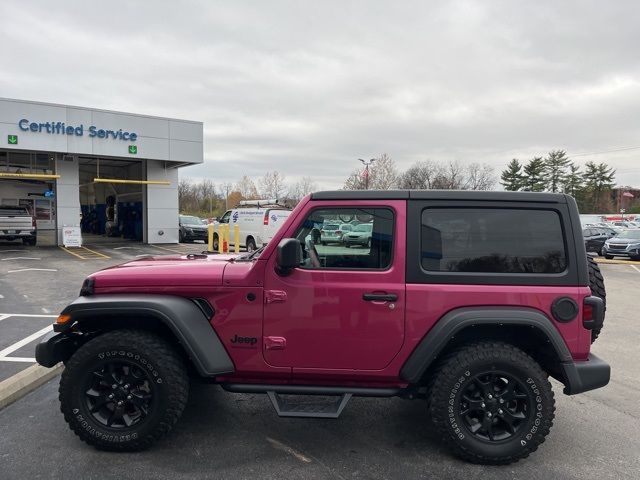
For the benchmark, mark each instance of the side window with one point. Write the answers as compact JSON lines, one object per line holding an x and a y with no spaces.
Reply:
{"x":225,"y":217}
{"x":350,"y":238}
{"x":497,"y":240}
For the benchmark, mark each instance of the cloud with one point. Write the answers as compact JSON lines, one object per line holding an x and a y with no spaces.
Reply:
{"x":307,"y":88}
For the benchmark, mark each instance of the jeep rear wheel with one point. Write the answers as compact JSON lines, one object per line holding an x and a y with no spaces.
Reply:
{"x":491,"y":402}
{"x":596,"y":283}
{"x":123,"y":390}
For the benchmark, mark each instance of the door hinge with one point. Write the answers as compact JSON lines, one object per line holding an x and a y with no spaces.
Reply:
{"x":273,"y":296}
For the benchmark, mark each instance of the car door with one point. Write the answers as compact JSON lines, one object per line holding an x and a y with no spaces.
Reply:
{"x":343,"y":309}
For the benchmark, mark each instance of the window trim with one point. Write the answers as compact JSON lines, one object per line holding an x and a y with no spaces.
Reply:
{"x":415,"y":273}
{"x":358,"y":207}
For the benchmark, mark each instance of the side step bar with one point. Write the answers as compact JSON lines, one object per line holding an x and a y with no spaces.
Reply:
{"x":321,"y":409}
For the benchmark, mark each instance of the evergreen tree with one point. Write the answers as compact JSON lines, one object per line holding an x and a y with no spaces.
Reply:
{"x":573,"y":182}
{"x":556,"y":165}
{"x":534,"y":175}
{"x":511,"y":177}
{"x":598,"y":179}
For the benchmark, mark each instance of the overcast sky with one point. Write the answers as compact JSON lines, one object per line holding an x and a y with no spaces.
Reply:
{"x":308,"y":87}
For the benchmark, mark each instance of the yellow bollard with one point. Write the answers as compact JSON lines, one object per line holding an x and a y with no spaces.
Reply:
{"x":220,"y":238}
{"x":236,"y":238}
{"x":227,"y":237}
{"x":211,"y":230}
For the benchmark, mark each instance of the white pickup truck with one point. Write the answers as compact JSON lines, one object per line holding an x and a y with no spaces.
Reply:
{"x":17,"y":223}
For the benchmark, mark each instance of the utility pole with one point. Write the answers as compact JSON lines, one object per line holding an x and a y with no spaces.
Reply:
{"x":366,"y":171}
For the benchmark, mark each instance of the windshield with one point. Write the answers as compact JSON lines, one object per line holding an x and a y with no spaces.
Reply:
{"x":190,"y":220}
{"x":330,"y":227}
{"x":634,"y":234}
{"x":364,"y":227}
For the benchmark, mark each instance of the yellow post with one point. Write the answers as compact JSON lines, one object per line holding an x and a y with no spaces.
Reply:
{"x":236,"y":238}
{"x":227,"y":237}
{"x":220,"y":238}
{"x":211,"y":231}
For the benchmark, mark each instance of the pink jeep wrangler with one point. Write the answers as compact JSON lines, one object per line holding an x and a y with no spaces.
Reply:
{"x":468,"y":300}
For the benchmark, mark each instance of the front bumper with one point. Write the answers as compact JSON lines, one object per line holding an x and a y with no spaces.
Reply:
{"x":54,"y":348}
{"x":584,"y":376}
{"x":630,"y":251}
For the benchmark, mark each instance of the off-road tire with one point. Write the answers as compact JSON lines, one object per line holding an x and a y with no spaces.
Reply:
{"x":454,"y":375}
{"x":596,"y":283}
{"x":145,"y":351}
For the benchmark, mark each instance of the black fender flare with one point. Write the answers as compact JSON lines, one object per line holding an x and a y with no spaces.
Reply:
{"x":456,"y":320}
{"x":183,"y":316}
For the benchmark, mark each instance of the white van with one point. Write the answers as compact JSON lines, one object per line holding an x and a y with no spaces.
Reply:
{"x":258,"y":220}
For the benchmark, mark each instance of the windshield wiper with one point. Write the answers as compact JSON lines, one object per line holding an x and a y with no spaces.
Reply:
{"x":251,"y":255}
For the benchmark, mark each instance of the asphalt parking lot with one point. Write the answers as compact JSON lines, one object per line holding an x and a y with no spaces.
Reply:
{"x":225,"y":435}
{"x":37,"y":282}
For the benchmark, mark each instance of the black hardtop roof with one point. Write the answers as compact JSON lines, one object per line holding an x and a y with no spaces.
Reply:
{"x":470,"y":195}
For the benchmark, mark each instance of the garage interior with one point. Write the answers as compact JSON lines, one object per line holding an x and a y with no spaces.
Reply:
{"x":111,"y":211}
{"x":37,"y":195}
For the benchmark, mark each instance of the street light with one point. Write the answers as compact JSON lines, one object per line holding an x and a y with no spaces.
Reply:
{"x":366,"y":171}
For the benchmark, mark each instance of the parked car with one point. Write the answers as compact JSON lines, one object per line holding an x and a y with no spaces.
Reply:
{"x":625,"y":244}
{"x":331,"y":233}
{"x":451,"y":304}
{"x":360,"y":235}
{"x":16,"y":223}
{"x":258,"y":220}
{"x":191,"y":228}
{"x":594,"y":238}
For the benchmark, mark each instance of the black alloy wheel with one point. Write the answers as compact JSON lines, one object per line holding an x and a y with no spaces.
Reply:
{"x":119,"y":394}
{"x":495,"y":406}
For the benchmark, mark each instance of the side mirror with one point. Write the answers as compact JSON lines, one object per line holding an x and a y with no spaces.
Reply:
{"x":289,"y":255}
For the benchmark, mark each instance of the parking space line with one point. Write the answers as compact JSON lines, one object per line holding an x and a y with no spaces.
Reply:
{"x":33,"y":270}
{"x":18,"y":359}
{"x":20,"y":258}
{"x":635,"y":268}
{"x":3,"y":316}
{"x":97,"y":253}
{"x":28,"y":315}
{"x":16,"y":346}
{"x":169,"y":249}
{"x":84,"y":253}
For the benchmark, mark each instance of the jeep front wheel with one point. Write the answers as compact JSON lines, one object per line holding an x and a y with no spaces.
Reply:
{"x":491,"y":402}
{"x":123,"y":390}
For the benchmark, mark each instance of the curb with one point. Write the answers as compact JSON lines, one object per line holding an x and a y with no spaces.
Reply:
{"x":616,"y":262}
{"x":16,"y":387}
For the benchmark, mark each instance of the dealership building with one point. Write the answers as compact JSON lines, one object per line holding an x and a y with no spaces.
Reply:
{"x":113,"y":174}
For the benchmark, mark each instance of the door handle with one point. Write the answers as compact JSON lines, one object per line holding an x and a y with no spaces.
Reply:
{"x":379,"y":297}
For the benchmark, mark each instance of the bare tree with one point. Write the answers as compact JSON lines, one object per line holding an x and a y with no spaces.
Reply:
{"x":247,"y":188}
{"x":301,"y":188}
{"x":272,"y":185}
{"x":355,"y":181}
{"x":479,"y":177}
{"x":451,"y":177}
{"x":421,"y":175}
{"x":383,"y":174}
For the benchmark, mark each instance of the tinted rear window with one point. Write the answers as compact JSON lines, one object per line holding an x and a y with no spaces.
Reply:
{"x":492,"y":240}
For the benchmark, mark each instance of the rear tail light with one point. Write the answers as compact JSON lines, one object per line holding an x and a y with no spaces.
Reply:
{"x":338,"y":232}
{"x":587,"y":313}
{"x":266,"y":219}
{"x":33,"y":222}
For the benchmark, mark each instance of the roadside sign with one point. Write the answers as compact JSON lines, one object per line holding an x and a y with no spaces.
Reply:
{"x":133,"y":149}
{"x":12,"y":139}
{"x":71,"y":236}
